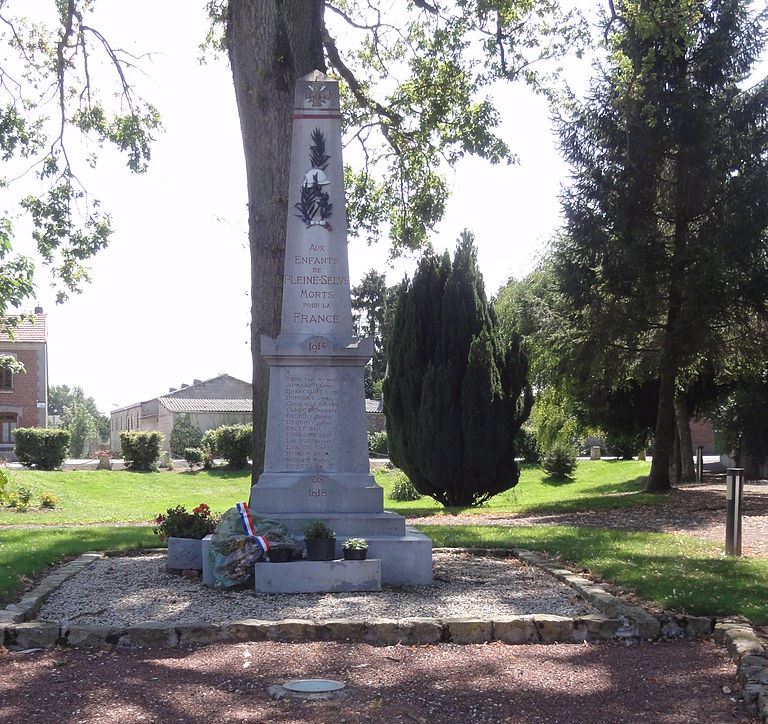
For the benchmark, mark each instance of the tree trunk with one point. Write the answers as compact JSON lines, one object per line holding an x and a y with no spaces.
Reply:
{"x":271,"y":43}
{"x":674,"y":460}
{"x":659,"y":480}
{"x":683,"y":420}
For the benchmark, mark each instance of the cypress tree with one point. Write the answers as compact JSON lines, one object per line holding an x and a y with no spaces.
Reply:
{"x":455,"y":396}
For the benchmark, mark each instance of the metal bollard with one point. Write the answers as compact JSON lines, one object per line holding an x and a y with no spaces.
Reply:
{"x":700,"y":464}
{"x":733,"y":496}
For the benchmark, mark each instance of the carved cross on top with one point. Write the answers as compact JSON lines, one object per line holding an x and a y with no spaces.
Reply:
{"x":318,"y":94}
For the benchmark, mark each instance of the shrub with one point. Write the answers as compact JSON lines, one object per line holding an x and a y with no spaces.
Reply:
{"x":560,"y":460}
{"x":43,"y":448}
{"x":233,"y":443}
{"x":141,"y":450}
{"x":208,"y":446}
{"x":4,"y":480}
{"x":193,"y":456}
{"x":403,"y":489}
{"x":48,"y":500}
{"x":178,"y":522}
{"x":184,"y":435}
{"x":15,"y":502}
{"x":316,"y":529}
{"x":377,"y":442}
{"x":527,"y":447}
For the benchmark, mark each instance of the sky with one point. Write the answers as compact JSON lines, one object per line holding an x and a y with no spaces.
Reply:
{"x":169,"y":298}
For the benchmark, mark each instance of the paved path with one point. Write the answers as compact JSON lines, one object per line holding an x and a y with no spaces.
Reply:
{"x":596,"y":683}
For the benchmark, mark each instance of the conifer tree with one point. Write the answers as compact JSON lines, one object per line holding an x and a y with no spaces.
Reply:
{"x":455,"y":396}
{"x":667,"y":216}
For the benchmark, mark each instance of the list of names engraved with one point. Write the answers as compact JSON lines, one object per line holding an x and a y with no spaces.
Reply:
{"x":311,"y":418}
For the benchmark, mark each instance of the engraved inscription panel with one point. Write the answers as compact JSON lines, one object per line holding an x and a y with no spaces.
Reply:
{"x":311,"y":418}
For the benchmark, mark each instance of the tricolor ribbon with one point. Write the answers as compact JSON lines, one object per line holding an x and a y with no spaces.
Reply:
{"x":245,"y":519}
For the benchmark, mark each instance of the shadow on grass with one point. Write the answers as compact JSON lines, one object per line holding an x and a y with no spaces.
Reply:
{"x":556,"y":481}
{"x":675,"y":571}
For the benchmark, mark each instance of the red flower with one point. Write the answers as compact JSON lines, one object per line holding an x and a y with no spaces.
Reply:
{"x":202,"y":509}
{"x":160,"y":519}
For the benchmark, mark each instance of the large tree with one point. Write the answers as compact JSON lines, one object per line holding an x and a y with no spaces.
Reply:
{"x":445,"y":52}
{"x":54,"y":95}
{"x":667,"y":214}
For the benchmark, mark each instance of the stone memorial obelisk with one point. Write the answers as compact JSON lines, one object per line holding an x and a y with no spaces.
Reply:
{"x":316,"y":456}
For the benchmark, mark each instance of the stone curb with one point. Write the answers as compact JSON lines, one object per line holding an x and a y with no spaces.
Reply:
{"x":617,"y":621}
{"x":751,"y":658}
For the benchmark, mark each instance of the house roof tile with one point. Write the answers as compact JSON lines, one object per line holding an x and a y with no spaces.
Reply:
{"x":30,"y":329}
{"x":189,"y":404}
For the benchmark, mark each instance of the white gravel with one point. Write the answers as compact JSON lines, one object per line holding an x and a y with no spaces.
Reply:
{"x":126,"y":591}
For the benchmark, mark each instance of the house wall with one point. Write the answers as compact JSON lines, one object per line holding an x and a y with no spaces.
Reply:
{"x":123,"y":420}
{"x":219,"y":388}
{"x":201,"y":420}
{"x":29,"y":388}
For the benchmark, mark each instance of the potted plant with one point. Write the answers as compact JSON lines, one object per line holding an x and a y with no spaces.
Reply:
{"x":278,"y":554}
{"x":184,"y":532}
{"x":320,"y":541}
{"x":355,"y":549}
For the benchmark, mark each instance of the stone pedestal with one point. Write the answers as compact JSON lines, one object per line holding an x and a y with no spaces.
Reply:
{"x":318,"y":576}
{"x":316,"y":457}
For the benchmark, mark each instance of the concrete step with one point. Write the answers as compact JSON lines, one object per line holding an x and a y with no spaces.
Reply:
{"x":318,"y":576}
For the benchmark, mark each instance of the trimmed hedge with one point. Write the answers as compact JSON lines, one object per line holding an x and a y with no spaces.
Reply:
{"x":43,"y":448}
{"x":141,"y":450}
{"x":231,"y":442}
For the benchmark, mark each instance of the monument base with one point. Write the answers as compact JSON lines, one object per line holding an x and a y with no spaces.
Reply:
{"x":318,"y":576}
{"x":345,"y":525}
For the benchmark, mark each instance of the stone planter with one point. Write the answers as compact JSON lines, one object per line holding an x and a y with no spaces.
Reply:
{"x":321,"y":549}
{"x":185,"y":554}
{"x":355,"y":554}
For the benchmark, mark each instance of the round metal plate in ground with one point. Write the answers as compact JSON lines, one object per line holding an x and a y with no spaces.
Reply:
{"x":313,"y":686}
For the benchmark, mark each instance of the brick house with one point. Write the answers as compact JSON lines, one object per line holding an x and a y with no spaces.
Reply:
{"x":24,"y":397}
{"x":222,"y":400}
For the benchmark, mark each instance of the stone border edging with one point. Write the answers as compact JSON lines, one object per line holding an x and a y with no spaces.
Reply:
{"x":618,"y":621}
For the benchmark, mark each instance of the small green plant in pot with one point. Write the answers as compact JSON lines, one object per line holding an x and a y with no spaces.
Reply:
{"x":184,"y":532}
{"x":320,"y":541}
{"x":355,"y":549}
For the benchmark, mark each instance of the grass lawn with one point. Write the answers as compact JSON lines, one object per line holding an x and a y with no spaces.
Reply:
{"x":596,"y":484}
{"x":25,"y":552}
{"x":106,"y":496}
{"x":679,"y":572}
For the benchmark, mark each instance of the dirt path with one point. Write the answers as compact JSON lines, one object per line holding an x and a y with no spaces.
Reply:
{"x":597,"y":683}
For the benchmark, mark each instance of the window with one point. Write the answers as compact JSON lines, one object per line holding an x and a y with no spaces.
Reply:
{"x":7,"y":429}
{"x":6,"y":379}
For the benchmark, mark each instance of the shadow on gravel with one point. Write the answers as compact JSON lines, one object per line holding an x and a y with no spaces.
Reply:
{"x":668,"y":683}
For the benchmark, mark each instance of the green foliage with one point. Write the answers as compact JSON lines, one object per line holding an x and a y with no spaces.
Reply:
{"x":316,"y":529}
{"x":80,"y":416}
{"x":50,"y":113}
{"x":48,"y":501}
{"x":377,"y":442}
{"x":403,"y":489}
{"x":560,"y":460}
{"x":193,"y":456}
{"x":371,"y":303}
{"x":527,"y":446}
{"x":663,"y":155}
{"x":455,"y":396}
{"x":82,"y":429}
{"x":15,"y":502}
{"x":355,"y":544}
{"x":4,"y":481}
{"x":179,"y":523}
{"x":141,"y":449}
{"x":43,"y":448}
{"x":184,"y":435}
{"x":231,"y":442}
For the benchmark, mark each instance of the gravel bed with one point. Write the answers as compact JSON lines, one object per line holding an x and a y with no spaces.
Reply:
{"x":126,"y":591}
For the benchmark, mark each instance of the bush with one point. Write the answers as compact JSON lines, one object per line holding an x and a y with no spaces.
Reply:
{"x":527,"y":447}
{"x":4,"y":480}
{"x":403,"y":489}
{"x":141,"y":450}
{"x":43,"y":448}
{"x":15,"y":502}
{"x":208,"y":446}
{"x":377,"y":442}
{"x":560,"y":460}
{"x":184,"y":435}
{"x":231,"y":442}
{"x":48,"y":500}
{"x":179,"y":523}
{"x":193,"y":456}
